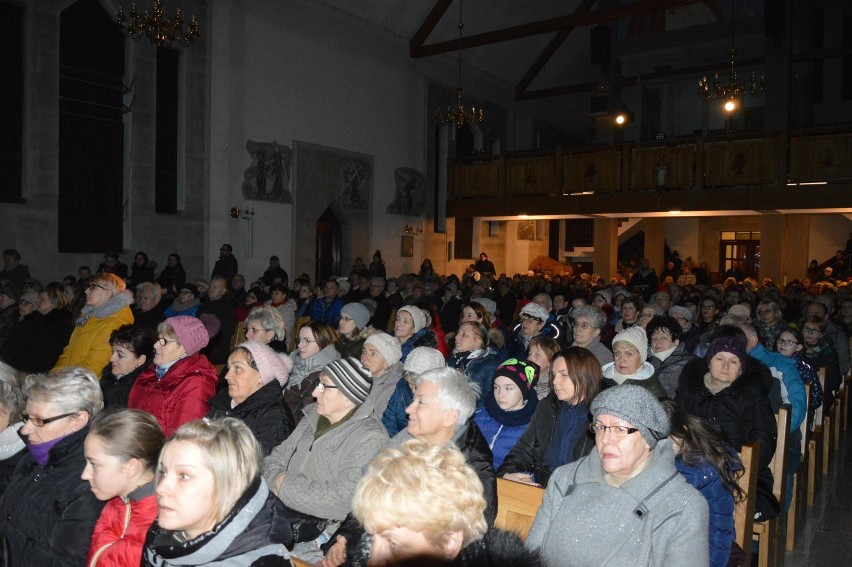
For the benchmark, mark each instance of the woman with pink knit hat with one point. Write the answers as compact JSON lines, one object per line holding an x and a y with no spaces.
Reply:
{"x":177,"y":387}
{"x":256,"y":376}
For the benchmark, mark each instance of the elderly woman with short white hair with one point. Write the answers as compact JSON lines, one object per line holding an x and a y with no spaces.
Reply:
{"x":12,"y":447}
{"x":630,"y":365}
{"x":47,"y":512}
{"x":589,"y":322}
{"x":629,"y":485}
{"x":265,"y":325}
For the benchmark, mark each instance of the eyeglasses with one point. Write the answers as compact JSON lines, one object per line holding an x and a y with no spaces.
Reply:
{"x":345,"y":318}
{"x":646,"y":316}
{"x":322,"y":387}
{"x":584,"y":325}
{"x":529,"y":317}
{"x":304,"y":341}
{"x":39,"y":422}
{"x":785,"y":342}
{"x":708,"y":306}
{"x":93,"y":286}
{"x":619,"y":431}
{"x":164,"y":341}
{"x":811,"y":331}
{"x":253,"y":330}
{"x":764,"y":311}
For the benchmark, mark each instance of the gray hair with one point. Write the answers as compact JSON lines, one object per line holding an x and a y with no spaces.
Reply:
{"x":455,"y":391}
{"x":11,"y":397}
{"x":72,"y":390}
{"x":147,"y":287}
{"x":269,"y":318}
{"x":594,"y":314}
{"x":547,"y":299}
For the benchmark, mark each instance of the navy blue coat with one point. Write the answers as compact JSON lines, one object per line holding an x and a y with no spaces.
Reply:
{"x":705,"y":478}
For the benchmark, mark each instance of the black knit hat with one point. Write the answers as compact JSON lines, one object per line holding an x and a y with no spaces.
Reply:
{"x":351,"y":378}
{"x":523,"y":373}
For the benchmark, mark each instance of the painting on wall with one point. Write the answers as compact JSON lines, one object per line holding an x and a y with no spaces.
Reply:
{"x":410,"y":196}
{"x":407,"y":247}
{"x":268,"y":176}
{"x":526,"y":230}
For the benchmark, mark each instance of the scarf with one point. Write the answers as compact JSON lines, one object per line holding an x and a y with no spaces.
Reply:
{"x":303,"y":367}
{"x":41,"y":452}
{"x":10,"y":441}
{"x":662,"y":356}
{"x":513,"y":418}
{"x":179,"y":306}
{"x":770,"y":333}
{"x":462,"y":359}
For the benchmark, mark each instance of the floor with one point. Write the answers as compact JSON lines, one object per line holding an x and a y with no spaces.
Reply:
{"x":825,"y":538}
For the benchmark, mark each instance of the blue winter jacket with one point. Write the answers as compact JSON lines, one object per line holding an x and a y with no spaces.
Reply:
{"x":501,"y":438}
{"x":480,"y":370}
{"x":792,"y":381}
{"x":706,"y":480}
{"x":327,"y":311}
{"x":395,"y":419}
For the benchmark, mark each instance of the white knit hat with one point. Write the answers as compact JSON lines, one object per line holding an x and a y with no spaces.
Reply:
{"x":635,"y":336}
{"x":424,"y":358}
{"x":416,"y":315}
{"x":387,"y":345}
{"x":535,"y":311}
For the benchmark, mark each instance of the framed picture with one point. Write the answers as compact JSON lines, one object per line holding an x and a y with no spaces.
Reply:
{"x":407,"y":249}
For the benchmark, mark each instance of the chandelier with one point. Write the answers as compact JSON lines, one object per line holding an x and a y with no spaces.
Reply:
{"x":732,"y":88}
{"x":456,"y":112}
{"x":157,"y":27}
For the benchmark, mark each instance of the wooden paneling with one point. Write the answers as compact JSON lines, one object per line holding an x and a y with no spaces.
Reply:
{"x":820,"y":158}
{"x":662,"y":167}
{"x":530,"y":176}
{"x":741,"y":162}
{"x":599,"y":172}
{"x":477,"y":180}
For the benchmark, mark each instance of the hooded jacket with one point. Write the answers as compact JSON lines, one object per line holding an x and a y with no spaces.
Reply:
{"x":120,"y":531}
{"x":321,"y":474}
{"x":255,"y":533}
{"x":654,"y":518}
{"x":89,"y":344}
{"x":264,"y":412}
{"x":181,"y":395}
{"x":47,"y":513}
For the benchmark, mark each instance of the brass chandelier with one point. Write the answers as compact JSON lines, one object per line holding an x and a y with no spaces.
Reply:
{"x":157,"y":27}
{"x":456,"y":112}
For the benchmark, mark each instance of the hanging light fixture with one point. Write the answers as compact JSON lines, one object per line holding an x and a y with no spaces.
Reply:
{"x":157,"y":27}
{"x":456,"y":112}
{"x":732,"y":89}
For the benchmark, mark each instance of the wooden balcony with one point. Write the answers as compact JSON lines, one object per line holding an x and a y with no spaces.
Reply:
{"x":803,"y":169}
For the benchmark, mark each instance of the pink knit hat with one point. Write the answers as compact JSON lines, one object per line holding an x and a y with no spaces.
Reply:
{"x":192,"y":333}
{"x":270,"y":364}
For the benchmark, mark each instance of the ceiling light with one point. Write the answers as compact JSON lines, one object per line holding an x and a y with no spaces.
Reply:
{"x":456,"y":113}
{"x":157,"y":27}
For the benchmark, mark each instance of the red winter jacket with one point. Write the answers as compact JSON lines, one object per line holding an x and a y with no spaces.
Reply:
{"x":119,"y":535}
{"x":180,"y":396}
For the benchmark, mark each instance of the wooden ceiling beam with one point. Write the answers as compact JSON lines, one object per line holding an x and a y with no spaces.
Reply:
{"x":549,"y":51}
{"x":549,"y":26}
{"x":438,"y":11}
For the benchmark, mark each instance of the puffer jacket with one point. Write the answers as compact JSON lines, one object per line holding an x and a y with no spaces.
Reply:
{"x":255,"y":533}
{"x":653,"y":519}
{"x":395,"y":419}
{"x":47,"y":513}
{"x":321,"y":474}
{"x":116,"y":391}
{"x":501,"y":428}
{"x":264,"y":412}
{"x":742,"y":412}
{"x":705,"y":478}
{"x":120,"y":532}
{"x":646,"y":377}
{"x":180,"y":396}
{"x":480,"y":369}
{"x":528,"y":454}
{"x":668,"y":370}
{"x":89,"y":344}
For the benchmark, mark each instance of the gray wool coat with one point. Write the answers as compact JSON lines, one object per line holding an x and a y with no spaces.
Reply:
{"x":653,"y":519}
{"x":321,"y":474}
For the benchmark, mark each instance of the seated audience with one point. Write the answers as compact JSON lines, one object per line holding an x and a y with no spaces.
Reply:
{"x":186,"y":303}
{"x":381,"y":357}
{"x":150,"y":307}
{"x":421,"y":359}
{"x":668,"y":353}
{"x":791,"y":343}
{"x":769,"y":323}
{"x":25,"y":334}
{"x":285,"y":305}
{"x":176,"y":389}
{"x":107,"y":309}
{"x":558,"y":432}
{"x":630,"y":365}
{"x":12,"y":446}
{"x":821,"y":353}
{"x":132,"y":353}
{"x":508,"y":407}
{"x":589,"y":322}
{"x":632,"y":468}
{"x":121,"y":450}
{"x":314,"y":351}
{"x":541,"y":352}
{"x":255,"y":377}
{"x":354,"y":318}
{"x":223,"y":513}
{"x":219,"y":304}
{"x":409,"y":328}
{"x":266,"y":326}
{"x":47,"y":512}
{"x":474,"y":355}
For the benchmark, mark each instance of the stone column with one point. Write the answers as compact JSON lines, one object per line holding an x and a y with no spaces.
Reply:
{"x":606,"y":247}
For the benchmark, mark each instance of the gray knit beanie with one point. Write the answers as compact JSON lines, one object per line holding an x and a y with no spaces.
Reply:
{"x":635,"y":336}
{"x":358,"y":313}
{"x":684,"y":312}
{"x":351,"y":378}
{"x":424,"y":358}
{"x":416,"y":315}
{"x":638,"y":407}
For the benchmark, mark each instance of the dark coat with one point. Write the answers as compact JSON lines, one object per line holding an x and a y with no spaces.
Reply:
{"x":395,"y":419}
{"x":264,"y":412}
{"x":528,"y":454}
{"x":47,"y":514}
{"x":23,"y":343}
{"x":381,"y":317}
{"x":668,"y":370}
{"x":116,"y":391}
{"x":226,"y":266}
{"x":741,"y":412}
{"x":172,"y":278}
{"x":478,"y":455}
{"x":255,"y":533}
{"x":219,"y":348}
{"x":153,"y":317}
{"x":480,"y":370}
{"x":142,"y":274}
{"x":705,"y":478}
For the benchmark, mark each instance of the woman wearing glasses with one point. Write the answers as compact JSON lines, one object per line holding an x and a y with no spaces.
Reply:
{"x":106,"y":310}
{"x":821,"y":353}
{"x":648,"y":514}
{"x":769,"y":323}
{"x":314,"y":472}
{"x":48,"y":512}
{"x":177,"y":387}
{"x":315,"y":348}
{"x":588,"y":323}
{"x":266,"y":325}
{"x":354,"y":318}
{"x":791,"y":343}
{"x":558,"y":431}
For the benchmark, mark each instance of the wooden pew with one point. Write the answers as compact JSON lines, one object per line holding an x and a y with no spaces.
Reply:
{"x":769,"y":534}
{"x":744,"y":511}
{"x":517,"y":505}
{"x":800,"y":476}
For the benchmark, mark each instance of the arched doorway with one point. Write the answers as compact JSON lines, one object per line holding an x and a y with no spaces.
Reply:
{"x":328,"y":238}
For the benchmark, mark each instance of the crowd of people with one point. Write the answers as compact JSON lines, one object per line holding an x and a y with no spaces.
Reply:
{"x":365,"y":420}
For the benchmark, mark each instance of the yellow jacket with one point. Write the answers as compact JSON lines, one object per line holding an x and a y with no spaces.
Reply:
{"x":89,"y":345}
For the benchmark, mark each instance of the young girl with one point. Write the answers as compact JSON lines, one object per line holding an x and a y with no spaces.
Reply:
{"x":121,"y":452}
{"x":712,"y":468}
